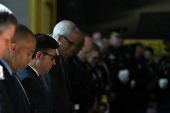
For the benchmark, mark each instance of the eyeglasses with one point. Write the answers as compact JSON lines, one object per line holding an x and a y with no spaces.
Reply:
{"x":53,"y":57}
{"x":71,"y":43}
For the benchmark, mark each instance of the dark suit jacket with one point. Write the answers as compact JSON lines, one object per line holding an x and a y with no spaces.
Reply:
{"x":58,"y":87}
{"x":35,"y":89}
{"x":15,"y":92}
{"x":5,"y":102}
{"x":79,"y":95}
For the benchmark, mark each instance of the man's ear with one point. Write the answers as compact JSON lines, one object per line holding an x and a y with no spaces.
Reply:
{"x":39,"y":55}
{"x":59,"y":38}
{"x":13,"y":48}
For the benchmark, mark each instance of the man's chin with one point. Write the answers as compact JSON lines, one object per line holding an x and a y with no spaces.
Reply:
{"x":45,"y":72}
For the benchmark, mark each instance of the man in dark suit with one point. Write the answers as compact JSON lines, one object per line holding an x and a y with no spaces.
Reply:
{"x":86,"y":70}
{"x":7,"y":21}
{"x":42,"y":61}
{"x":15,"y":58}
{"x":80,"y":96}
{"x":57,"y":80}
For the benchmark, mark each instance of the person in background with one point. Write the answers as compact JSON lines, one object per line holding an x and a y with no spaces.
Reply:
{"x":80,"y":95}
{"x":118,"y":61}
{"x":105,"y":39}
{"x":162,"y":81}
{"x":101,"y":95}
{"x":42,"y":61}
{"x":142,"y":84}
{"x":102,"y":65}
{"x":86,"y":71}
{"x":97,"y":35}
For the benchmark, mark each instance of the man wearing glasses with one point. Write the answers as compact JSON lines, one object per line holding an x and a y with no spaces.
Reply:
{"x":42,"y":61}
{"x":57,"y":81}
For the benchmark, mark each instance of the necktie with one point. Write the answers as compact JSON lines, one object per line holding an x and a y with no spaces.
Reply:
{"x":43,"y":84}
{"x":60,"y":61}
{"x":22,"y":88}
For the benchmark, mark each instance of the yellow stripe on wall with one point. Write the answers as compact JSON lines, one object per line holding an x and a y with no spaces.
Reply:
{"x":156,"y":44}
{"x":42,"y":15}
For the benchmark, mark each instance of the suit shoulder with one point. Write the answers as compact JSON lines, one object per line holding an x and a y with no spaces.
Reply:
{"x":24,"y":73}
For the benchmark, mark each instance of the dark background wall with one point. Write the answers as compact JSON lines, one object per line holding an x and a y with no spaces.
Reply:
{"x":136,"y":18}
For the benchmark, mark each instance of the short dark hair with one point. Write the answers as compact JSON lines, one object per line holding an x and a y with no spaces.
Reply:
{"x":44,"y":43}
{"x":5,"y":20}
{"x":21,"y":33}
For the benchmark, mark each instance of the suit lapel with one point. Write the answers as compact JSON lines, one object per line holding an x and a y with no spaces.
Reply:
{"x":67,"y":76}
{"x":36,"y":77}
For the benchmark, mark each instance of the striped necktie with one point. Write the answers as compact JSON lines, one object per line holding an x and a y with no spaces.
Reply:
{"x":43,"y":84}
{"x":22,"y":87}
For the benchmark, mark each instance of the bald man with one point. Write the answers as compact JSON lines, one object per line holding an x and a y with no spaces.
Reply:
{"x":17,"y":57}
{"x":81,"y":97}
{"x":87,"y":48}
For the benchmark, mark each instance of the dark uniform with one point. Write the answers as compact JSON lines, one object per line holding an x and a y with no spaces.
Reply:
{"x":87,"y":77}
{"x":143,"y":74}
{"x":80,"y":95}
{"x":100,"y":86}
{"x":118,"y":59}
{"x":163,"y":95}
{"x":105,"y":74}
{"x":163,"y":72}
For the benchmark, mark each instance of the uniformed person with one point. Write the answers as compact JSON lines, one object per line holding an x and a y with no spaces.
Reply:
{"x":98,"y":78}
{"x":142,"y":69}
{"x":118,"y":61}
{"x":163,"y":82}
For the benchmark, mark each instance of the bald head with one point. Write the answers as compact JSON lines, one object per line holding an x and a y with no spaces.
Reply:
{"x":80,"y":40}
{"x":21,"y":34}
{"x":88,"y":43}
{"x":87,"y":48}
{"x":22,"y":48}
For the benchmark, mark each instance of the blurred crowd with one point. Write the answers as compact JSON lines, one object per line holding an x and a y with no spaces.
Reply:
{"x":75,"y":72}
{"x":130,"y":76}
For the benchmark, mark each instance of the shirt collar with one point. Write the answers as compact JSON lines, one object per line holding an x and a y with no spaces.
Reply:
{"x":57,"y":52}
{"x":6,"y":65}
{"x":34,"y":70}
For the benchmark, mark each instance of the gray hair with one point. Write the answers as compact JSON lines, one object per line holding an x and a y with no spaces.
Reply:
{"x":5,"y":9}
{"x":64,"y":27}
{"x":101,"y":44}
{"x":6,"y":18}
